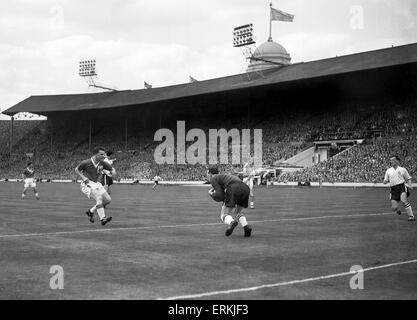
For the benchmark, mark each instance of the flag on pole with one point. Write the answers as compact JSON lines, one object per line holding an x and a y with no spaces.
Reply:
{"x":279,"y":15}
{"x":147,"y":85}
{"x":192,"y":79}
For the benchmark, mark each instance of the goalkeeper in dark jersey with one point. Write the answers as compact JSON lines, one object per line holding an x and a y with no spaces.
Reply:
{"x":234,"y":194}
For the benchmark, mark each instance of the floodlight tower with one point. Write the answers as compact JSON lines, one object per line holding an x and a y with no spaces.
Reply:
{"x":243,"y":39}
{"x":87,"y":70}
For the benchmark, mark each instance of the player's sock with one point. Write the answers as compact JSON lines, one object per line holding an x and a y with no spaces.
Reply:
{"x":93,"y":210}
{"x":228,"y":219}
{"x":100,"y":212}
{"x":409,"y":210}
{"x":243,"y":221}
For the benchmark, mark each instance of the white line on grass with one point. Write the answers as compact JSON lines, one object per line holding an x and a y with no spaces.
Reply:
{"x":288,"y":283}
{"x":182,"y":226}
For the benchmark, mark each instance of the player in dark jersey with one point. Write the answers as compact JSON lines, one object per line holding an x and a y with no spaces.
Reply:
{"x":234,"y":194}
{"x":29,"y":180}
{"x":90,"y":171}
{"x":107,"y":178}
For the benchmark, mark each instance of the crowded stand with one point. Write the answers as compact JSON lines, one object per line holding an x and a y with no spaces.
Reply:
{"x":368,"y":162}
{"x":384,"y":130}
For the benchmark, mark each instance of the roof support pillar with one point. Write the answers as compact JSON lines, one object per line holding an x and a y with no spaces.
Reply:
{"x":11,"y":133}
{"x":126,"y":133}
{"x":52,"y":136}
{"x":248,"y":115}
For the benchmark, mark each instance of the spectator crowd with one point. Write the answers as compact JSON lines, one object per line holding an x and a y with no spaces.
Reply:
{"x":386,"y":130}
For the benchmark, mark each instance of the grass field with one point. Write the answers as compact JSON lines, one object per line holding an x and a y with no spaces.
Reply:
{"x":171,"y":244}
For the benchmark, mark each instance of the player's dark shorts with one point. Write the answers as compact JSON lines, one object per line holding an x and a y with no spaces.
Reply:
{"x":107,"y":181}
{"x":156,"y":182}
{"x":237,"y":194}
{"x":398,"y":190}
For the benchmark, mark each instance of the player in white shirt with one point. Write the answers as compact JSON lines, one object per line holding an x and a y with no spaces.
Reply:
{"x":156,"y":180}
{"x":400,"y":183}
{"x":248,"y":179}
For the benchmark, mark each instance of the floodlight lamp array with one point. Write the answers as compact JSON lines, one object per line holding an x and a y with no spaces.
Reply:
{"x":243,"y":35}
{"x":88,"y":68}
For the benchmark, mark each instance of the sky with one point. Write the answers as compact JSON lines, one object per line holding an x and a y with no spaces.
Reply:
{"x":163,"y":42}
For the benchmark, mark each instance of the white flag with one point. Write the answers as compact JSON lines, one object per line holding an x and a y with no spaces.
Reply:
{"x":281,"y":16}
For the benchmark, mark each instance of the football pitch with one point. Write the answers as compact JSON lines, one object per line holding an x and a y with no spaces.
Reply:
{"x":170,"y":244}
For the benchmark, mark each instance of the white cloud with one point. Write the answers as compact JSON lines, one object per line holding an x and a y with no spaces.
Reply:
{"x":52,"y":67}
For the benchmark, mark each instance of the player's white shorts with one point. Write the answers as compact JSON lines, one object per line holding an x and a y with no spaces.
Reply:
{"x":30,"y":183}
{"x":94,"y":189}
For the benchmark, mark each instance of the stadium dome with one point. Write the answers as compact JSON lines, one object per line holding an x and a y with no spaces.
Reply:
{"x":269,"y":51}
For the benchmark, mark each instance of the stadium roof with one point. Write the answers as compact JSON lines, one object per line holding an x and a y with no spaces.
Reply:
{"x":382,"y":58}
